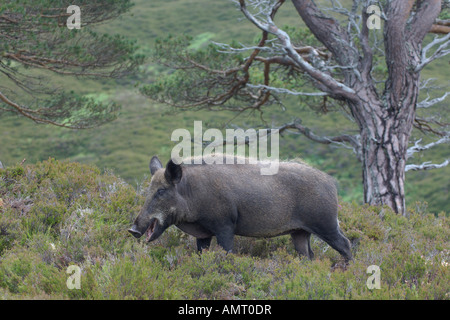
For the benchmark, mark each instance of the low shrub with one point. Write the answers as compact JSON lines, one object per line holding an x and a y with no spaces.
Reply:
{"x":57,"y":214}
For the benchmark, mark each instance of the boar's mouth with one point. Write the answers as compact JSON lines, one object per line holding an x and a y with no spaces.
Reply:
{"x":151,"y":229}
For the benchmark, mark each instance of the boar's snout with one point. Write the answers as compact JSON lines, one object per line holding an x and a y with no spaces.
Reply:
{"x":135,"y":232}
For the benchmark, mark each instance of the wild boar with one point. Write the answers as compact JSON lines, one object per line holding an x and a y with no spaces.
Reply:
{"x":206,"y":200}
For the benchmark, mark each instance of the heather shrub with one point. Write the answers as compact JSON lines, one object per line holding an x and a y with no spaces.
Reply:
{"x":25,"y":273}
{"x":56,"y":214}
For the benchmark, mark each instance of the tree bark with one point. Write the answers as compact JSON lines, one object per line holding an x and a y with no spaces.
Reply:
{"x":386,"y":124}
{"x":385,"y":132}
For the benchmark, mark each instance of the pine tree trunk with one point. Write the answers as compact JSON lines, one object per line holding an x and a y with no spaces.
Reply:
{"x":385,"y":128}
{"x":384,"y":173}
{"x":385,"y":119}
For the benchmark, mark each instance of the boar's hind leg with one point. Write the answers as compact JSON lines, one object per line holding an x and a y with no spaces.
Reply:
{"x":203,"y":243}
{"x":301,"y":240}
{"x":339,"y":242}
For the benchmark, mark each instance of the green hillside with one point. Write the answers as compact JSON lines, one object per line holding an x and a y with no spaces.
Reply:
{"x":144,"y":128}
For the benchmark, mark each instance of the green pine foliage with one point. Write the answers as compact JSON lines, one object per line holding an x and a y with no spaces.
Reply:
{"x":36,"y":45}
{"x":55,"y":214}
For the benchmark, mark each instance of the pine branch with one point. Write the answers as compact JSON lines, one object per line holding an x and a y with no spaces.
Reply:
{"x":341,"y":140}
{"x":333,"y":86}
{"x":429,"y":103}
{"x":438,"y":53}
{"x":425,"y":166}
{"x":417,"y":147}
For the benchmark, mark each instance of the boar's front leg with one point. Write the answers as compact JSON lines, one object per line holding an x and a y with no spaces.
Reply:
{"x":203,"y":243}
{"x":225,"y":239}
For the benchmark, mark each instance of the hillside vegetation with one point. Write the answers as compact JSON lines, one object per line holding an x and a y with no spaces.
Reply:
{"x":55,"y":214}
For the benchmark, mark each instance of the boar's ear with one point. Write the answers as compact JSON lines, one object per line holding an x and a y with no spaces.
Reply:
{"x":173,"y":172}
{"x":155,"y":165}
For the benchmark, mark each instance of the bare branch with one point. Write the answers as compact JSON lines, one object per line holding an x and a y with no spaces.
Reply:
{"x":424,"y":84}
{"x":333,"y":86}
{"x":342,"y":140}
{"x":425,"y":125}
{"x":286,"y":91}
{"x":429,"y":103}
{"x":440,"y":51}
{"x":425,"y":166}
{"x":417,"y":147}
{"x":306,"y":50}
{"x":226,"y":48}
{"x":354,"y":141}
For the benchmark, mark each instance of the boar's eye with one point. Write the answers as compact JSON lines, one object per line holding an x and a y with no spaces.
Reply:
{"x":160,"y":192}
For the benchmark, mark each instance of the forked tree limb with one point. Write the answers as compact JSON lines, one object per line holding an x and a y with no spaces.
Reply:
{"x":333,"y":86}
